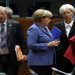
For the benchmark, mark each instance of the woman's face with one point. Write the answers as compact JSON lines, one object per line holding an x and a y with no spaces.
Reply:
{"x":68,"y":15}
{"x":45,"y":21}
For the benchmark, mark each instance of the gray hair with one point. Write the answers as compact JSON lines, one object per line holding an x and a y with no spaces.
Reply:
{"x":63,"y":8}
{"x":9,"y":12}
{"x":2,"y":8}
{"x":41,"y":13}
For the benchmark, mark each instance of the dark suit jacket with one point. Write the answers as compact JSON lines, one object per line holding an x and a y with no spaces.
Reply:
{"x":64,"y":43}
{"x":70,"y":52}
{"x":63,"y":37}
{"x":14,"y":37}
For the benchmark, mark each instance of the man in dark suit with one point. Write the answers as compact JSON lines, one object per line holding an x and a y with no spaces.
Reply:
{"x":10,"y":35}
{"x":67,"y":28}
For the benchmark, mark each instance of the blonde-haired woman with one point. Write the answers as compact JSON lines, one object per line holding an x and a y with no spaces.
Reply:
{"x":40,"y":42}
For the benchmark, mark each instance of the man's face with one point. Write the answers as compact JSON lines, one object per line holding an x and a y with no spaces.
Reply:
{"x":3,"y":16}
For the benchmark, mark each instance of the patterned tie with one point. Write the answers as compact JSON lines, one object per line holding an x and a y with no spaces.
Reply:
{"x":3,"y":37}
{"x":2,"y":28}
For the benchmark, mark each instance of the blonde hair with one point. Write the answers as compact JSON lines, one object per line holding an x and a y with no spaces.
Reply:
{"x":41,"y":13}
{"x":63,"y":8}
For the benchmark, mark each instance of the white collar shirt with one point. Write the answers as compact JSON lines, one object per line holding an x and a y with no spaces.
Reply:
{"x":68,"y":27}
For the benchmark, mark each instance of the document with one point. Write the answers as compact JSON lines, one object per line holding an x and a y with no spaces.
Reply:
{"x":19,"y":53}
{"x":56,"y":32}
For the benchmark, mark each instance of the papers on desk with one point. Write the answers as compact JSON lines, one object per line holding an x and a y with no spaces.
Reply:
{"x":56,"y":32}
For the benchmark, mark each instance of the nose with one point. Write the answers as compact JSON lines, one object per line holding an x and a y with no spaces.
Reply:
{"x":66,"y":13}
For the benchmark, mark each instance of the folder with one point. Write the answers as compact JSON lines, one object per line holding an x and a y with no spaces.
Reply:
{"x":19,"y":53}
{"x":56,"y":32}
{"x":70,"y":52}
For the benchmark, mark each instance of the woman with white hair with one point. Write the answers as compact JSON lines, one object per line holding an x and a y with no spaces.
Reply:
{"x":67,"y":27}
{"x":40,"y":43}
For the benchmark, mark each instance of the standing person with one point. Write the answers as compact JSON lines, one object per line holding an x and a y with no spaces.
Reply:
{"x":9,"y":12}
{"x":67,"y":28}
{"x":10,"y":35}
{"x":41,"y":43}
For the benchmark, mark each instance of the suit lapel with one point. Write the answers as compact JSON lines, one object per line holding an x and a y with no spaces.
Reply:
{"x":46,"y":32}
{"x":72,"y":29}
{"x":62,"y":28}
{"x":9,"y":27}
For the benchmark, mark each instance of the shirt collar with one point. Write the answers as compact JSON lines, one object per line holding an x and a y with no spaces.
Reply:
{"x":5,"y":22}
{"x":70,"y":24}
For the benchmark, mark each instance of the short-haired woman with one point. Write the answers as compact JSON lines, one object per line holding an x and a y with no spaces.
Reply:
{"x":40,"y":43}
{"x":67,"y":27}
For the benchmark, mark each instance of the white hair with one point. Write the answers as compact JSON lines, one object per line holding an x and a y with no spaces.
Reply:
{"x":9,"y":10}
{"x":63,"y":8}
{"x":2,"y":8}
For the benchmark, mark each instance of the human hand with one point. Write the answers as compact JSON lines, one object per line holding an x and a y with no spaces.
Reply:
{"x":53,"y":43}
{"x":24,"y":58}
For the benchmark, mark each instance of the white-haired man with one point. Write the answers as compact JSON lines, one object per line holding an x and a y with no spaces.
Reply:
{"x":10,"y":35}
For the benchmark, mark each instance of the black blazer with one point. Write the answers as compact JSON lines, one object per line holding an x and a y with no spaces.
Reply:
{"x":63,"y":38}
{"x":14,"y":37}
{"x":61,"y":62}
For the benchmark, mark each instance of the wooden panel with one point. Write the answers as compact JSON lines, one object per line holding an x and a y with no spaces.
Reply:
{"x":27,"y":22}
{"x":24,"y":69}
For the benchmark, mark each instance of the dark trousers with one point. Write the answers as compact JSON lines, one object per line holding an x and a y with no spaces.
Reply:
{"x":6,"y":65}
{"x":42,"y":70}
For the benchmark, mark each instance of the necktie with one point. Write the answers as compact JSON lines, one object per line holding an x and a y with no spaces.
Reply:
{"x":2,"y":28}
{"x":3,"y":37}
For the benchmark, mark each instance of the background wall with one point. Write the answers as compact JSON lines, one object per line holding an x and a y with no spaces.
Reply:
{"x":25,"y":8}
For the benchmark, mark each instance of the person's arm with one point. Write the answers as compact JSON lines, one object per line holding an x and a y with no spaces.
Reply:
{"x":32,"y":41}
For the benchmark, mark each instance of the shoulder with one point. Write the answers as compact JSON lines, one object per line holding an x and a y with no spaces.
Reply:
{"x":58,"y":23}
{"x":33,"y":29}
{"x":33,"y":26}
{"x":13,"y":22}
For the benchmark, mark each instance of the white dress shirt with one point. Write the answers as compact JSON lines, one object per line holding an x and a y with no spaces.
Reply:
{"x":68,"y":27}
